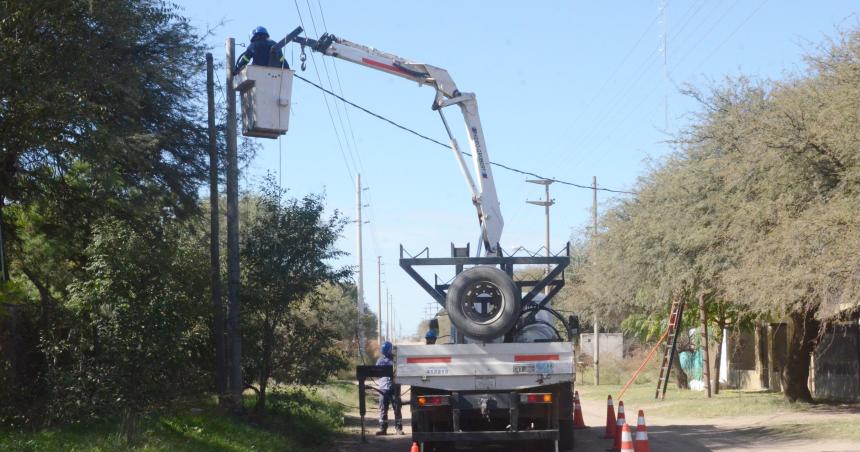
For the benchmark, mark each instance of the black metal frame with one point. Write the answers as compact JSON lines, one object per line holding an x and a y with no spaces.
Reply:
{"x":554,"y":280}
{"x":361,"y":374}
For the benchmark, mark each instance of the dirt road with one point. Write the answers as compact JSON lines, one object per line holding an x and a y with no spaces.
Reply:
{"x":746,"y":433}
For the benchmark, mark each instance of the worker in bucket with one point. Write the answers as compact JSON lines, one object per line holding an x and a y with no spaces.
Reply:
{"x":389,"y":394}
{"x":258,"y":52}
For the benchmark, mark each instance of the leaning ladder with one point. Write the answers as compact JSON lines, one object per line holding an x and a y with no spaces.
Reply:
{"x":675,"y":315}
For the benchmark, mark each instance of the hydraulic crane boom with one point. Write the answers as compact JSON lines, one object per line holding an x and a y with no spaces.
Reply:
{"x":482,"y":186}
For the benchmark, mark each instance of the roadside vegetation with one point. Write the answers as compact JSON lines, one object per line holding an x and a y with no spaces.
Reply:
{"x":300,"y":420}
{"x":753,"y":216}
{"x":107,"y":322}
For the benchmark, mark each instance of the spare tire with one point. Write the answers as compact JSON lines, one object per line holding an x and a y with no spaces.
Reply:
{"x":483,"y":303}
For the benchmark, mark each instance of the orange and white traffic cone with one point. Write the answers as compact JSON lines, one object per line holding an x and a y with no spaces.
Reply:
{"x":619,"y":423}
{"x":610,"y":419}
{"x":641,"y":441}
{"x":415,"y":448}
{"x":578,"y":422}
{"x":626,"y":439}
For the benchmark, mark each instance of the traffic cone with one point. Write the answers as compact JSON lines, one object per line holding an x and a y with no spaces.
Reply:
{"x":619,"y":423}
{"x":641,"y":442}
{"x":610,"y":419}
{"x":415,"y":448}
{"x":578,"y":422}
{"x":626,"y":440}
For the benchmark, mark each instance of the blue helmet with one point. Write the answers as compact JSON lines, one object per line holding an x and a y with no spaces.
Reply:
{"x":386,"y":348}
{"x":257,"y":32}
{"x":431,"y":334}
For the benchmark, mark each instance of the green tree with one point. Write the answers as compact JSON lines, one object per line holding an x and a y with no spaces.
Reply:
{"x":286,"y":257}
{"x":137,"y":335}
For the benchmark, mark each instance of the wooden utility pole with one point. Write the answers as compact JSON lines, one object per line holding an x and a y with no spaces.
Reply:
{"x":703,"y":316}
{"x":4,"y":269}
{"x":379,"y":300}
{"x":594,"y":254}
{"x":233,"y":320}
{"x":214,"y":240}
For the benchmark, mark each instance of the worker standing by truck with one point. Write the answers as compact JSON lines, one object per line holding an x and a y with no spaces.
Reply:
{"x":389,"y":394}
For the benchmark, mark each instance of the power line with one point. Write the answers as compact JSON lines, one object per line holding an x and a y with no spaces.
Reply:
{"x":445,"y":145}
{"x":328,"y":108}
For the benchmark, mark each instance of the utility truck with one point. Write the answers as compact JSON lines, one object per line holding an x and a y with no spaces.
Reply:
{"x":507,"y":372}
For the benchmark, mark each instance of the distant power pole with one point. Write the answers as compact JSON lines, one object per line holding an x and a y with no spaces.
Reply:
{"x":593,"y":254}
{"x":546,"y":203}
{"x":387,"y":315}
{"x":379,"y":300}
{"x":233,"y":320}
{"x":360,"y":282}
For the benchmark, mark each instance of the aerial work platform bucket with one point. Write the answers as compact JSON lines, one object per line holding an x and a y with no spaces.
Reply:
{"x":265,"y":95}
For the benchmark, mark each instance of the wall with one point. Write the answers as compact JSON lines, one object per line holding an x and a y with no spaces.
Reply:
{"x":611,"y":345}
{"x":837,"y":363}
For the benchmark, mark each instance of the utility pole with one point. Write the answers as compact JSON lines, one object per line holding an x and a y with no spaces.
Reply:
{"x":233,"y":323}
{"x":360,"y":283}
{"x":214,"y":241}
{"x":546,"y":203}
{"x":379,"y":300}
{"x":387,"y":315}
{"x":4,"y":270}
{"x":594,"y":254}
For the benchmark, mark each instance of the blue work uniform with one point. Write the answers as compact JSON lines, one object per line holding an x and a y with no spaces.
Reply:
{"x":257,"y":54}
{"x":389,"y":394}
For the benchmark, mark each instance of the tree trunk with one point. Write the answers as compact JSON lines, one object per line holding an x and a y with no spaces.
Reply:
{"x":703,"y":316}
{"x":801,"y":335}
{"x":265,"y":364}
{"x":721,"y":328}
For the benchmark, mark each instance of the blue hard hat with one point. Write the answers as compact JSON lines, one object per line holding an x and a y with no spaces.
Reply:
{"x":386,"y":348}
{"x":259,"y":31}
{"x":430,"y":334}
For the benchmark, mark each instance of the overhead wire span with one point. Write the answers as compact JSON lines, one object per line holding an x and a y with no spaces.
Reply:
{"x":328,"y":108}
{"x":447,"y":146}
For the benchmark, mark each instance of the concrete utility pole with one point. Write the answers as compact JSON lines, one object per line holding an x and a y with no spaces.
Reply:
{"x":233,"y":323}
{"x":593,"y":253}
{"x":214,"y":241}
{"x":387,"y":315}
{"x":546,"y":203}
{"x":360,"y":283}
{"x":379,"y":300}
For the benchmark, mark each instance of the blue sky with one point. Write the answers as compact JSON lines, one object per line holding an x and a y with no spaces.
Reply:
{"x":568,"y":90}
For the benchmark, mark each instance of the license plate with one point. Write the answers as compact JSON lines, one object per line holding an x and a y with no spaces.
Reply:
{"x":524,"y":368}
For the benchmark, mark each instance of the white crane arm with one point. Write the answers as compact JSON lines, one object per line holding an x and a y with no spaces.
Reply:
{"x":482,"y":186}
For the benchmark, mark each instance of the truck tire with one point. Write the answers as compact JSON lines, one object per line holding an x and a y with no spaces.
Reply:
{"x":483,"y":303}
{"x":565,"y":418}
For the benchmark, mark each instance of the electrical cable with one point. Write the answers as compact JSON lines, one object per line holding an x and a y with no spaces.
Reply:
{"x":445,"y":145}
{"x":328,"y":108}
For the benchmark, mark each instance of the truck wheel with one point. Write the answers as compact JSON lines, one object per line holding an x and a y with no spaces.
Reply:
{"x":565,"y":418}
{"x":483,"y":303}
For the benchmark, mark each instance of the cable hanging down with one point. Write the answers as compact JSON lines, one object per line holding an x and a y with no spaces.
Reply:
{"x":447,"y":146}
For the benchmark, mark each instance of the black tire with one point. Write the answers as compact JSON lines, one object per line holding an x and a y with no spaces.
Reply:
{"x":565,"y":417}
{"x":496,"y":289}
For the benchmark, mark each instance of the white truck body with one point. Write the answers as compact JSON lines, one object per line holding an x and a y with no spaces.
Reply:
{"x":494,"y":367}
